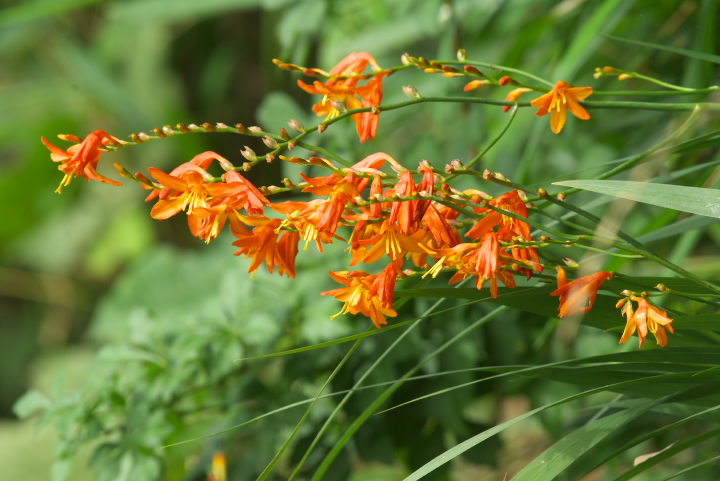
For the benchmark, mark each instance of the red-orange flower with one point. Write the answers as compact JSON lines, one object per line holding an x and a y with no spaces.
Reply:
{"x":81,"y":159}
{"x":369,"y":294}
{"x":267,"y":243}
{"x":343,"y":88}
{"x":561,"y":98}
{"x":578,"y":295}
{"x":645,"y":318}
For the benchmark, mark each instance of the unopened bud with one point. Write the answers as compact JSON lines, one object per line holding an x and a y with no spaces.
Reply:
{"x":461,"y":55}
{"x":183,"y":128}
{"x":338,"y":105}
{"x":472,"y":70}
{"x":405,"y":59}
{"x":270,"y":142}
{"x":136,"y":138}
{"x":221,"y":125}
{"x":241,"y":128}
{"x":143,"y":136}
{"x":159,"y":133}
{"x":542,"y":192}
{"x":662,"y":288}
{"x":284,"y":134}
{"x":562,"y":196}
{"x":193,"y":127}
{"x":506,"y":80}
{"x":475,"y":84}
{"x":225,"y":164}
{"x":167,"y":129}
{"x":449,"y":169}
{"x":322,"y":128}
{"x":208,"y":126}
{"x":291,"y":145}
{"x":296,"y":126}
{"x":487,"y":174}
{"x":269,"y":157}
{"x":249,"y":154}
{"x":255,"y":129}
{"x":288,"y":183}
{"x":626,"y":293}
{"x":411,"y":92}
{"x":246,"y":166}
{"x":457,"y":165}
{"x":623,"y":76}
{"x":571,"y":263}
{"x":433,"y":70}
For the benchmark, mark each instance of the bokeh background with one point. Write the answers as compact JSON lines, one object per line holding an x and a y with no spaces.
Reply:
{"x":98,"y":300}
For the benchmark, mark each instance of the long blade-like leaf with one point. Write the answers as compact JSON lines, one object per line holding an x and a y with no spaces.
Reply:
{"x":695,"y":200}
{"x":680,"y":51}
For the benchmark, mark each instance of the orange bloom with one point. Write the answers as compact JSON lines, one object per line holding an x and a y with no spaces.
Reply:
{"x":578,"y":295}
{"x":81,"y":159}
{"x":646,"y":318}
{"x":343,"y":88}
{"x":263,"y":245}
{"x":371,"y":294}
{"x":556,"y":102}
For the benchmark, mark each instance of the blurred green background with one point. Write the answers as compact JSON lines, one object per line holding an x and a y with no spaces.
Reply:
{"x":89,"y":271}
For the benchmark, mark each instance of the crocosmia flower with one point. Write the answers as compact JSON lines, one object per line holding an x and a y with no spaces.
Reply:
{"x":557,"y":102}
{"x":578,"y":295}
{"x":645,"y":318}
{"x":81,"y":159}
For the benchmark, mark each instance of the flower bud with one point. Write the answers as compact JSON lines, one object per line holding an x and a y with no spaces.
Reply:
{"x":506,"y":80}
{"x":270,"y":142}
{"x":269,"y":158}
{"x":249,"y":154}
{"x":255,"y":129}
{"x":475,"y":84}
{"x":183,"y":128}
{"x":338,"y":105}
{"x":208,"y":127}
{"x":284,"y":134}
{"x":296,"y":126}
{"x":411,"y":92}
{"x":241,"y":128}
{"x":461,"y":55}
{"x":322,"y":128}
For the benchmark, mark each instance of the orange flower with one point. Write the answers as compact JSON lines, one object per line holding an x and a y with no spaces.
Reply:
{"x":646,"y":318}
{"x":578,"y":295}
{"x":556,"y":102}
{"x":263,"y":245}
{"x":370,"y":294}
{"x":342,"y":88}
{"x":81,"y":159}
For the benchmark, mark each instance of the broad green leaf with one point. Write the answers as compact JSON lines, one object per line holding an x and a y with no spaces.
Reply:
{"x":695,"y":200}
{"x":680,"y":51}
{"x":30,"y":403}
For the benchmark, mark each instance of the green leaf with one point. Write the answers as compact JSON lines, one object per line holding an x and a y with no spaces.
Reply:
{"x":561,"y":454}
{"x":30,"y":403}
{"x":695,"y":200}
{"x":680,"y":51}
